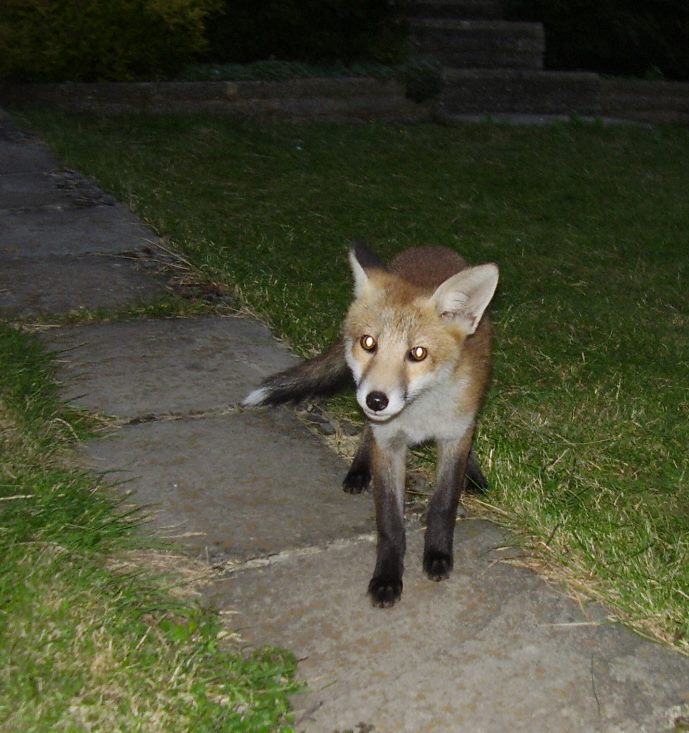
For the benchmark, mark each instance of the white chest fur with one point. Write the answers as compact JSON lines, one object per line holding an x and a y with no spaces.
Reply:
{"x":433,"y":415}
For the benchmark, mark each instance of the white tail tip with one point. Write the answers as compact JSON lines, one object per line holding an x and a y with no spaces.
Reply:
{"x":255,"y":398}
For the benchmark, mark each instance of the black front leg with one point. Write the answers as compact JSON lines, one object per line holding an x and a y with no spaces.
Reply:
{"x":359,"y":475}
{"x":442,"y":510}
{"x":388,"y":463}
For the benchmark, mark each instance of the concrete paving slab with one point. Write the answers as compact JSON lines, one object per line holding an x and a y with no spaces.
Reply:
{"x":234,"y":487}
{"x":19,"y":154}
{"x":31,"y":190}
{"x":492,"y":649}
{"x":73,"y":231}
{"x":54,"y":285}
{"x":159,"y":367}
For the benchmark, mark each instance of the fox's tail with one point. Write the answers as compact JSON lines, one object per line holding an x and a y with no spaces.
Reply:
{"x":321,"y":376}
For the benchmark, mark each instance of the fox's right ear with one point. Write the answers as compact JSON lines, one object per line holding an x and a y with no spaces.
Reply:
{"x":361,"y":258}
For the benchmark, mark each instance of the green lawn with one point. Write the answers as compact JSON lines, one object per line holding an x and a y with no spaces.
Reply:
{"x":585,"y":434}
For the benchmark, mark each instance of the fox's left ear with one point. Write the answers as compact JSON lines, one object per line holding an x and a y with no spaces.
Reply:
{"x":465,"y":296}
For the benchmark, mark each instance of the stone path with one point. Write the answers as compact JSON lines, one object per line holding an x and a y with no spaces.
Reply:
{"x":493,"y":649}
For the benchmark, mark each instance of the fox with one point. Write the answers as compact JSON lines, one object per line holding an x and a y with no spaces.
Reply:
{"x":416,"y":344}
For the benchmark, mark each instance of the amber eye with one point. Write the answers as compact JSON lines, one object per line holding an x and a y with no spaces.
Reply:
{"x":418,"y":353}
{"x":368,"y":343}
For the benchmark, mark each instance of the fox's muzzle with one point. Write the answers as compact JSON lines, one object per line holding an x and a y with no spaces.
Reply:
{"x":379,"y":405}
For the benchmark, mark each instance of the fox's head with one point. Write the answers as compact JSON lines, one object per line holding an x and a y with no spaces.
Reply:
{"x":401,"y":334}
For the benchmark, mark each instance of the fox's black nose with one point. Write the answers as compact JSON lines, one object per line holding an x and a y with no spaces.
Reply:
{"x":377,"y":401}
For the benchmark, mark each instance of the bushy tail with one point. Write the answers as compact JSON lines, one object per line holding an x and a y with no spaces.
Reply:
{"x":321,"y":376}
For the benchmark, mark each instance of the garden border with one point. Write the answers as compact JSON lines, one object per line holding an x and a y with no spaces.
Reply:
{"x":331,"y":99}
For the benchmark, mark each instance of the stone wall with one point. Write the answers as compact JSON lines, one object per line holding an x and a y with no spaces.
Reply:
{"x":655,"y":102}
{"x":362,"y":99}
{"x":345,"y":99}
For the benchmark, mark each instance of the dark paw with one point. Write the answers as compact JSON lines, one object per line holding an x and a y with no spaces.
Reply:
{"x":437,"y":565}
{"x":356,"y":481}
{"x":385,"y":591}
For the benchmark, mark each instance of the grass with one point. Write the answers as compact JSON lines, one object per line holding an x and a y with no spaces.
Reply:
{"x":88,"y":640}
{"x":585,"y":432}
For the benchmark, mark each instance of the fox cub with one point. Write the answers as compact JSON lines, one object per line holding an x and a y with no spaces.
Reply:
{"x":417,"y":340}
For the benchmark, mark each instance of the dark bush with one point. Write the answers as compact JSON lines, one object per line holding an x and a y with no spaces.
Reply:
{"x":314,"y":31}
{"x":86,"y":40}
{"x":612,"y":36}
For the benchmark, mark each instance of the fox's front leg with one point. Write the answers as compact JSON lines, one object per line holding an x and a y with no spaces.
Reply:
{"x":442,"y":510}
{"x":388,"y":464}
{"x":359,"y":475}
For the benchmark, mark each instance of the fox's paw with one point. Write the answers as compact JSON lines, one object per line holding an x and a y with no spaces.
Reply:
{"x":356,"y":481}
{"x":385,"y":590}
{"x":437,"y":565}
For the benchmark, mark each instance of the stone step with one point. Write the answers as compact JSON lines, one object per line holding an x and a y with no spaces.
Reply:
{"x":488,"y":44}
{"x":489,"y":91}
{"x":655,"y":102}
{"x":462,"y":9}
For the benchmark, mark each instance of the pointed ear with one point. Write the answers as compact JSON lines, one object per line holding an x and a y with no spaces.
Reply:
{"x":362,"y":258}
{"x":360,"y":276}
{"x":465,"y":296}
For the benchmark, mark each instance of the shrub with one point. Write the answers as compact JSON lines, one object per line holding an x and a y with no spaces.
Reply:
{"x":86,"y":40}
{"x":613,"y":36}
{"x":307,"y":30}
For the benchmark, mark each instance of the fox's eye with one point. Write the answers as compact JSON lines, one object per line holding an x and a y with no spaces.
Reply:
{"x":418,"y":353}
{"x":368,"y":343}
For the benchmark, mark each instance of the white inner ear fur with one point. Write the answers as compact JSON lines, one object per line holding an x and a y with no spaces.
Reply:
{"x":361,"y":281}
{"x":465,"y":296}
